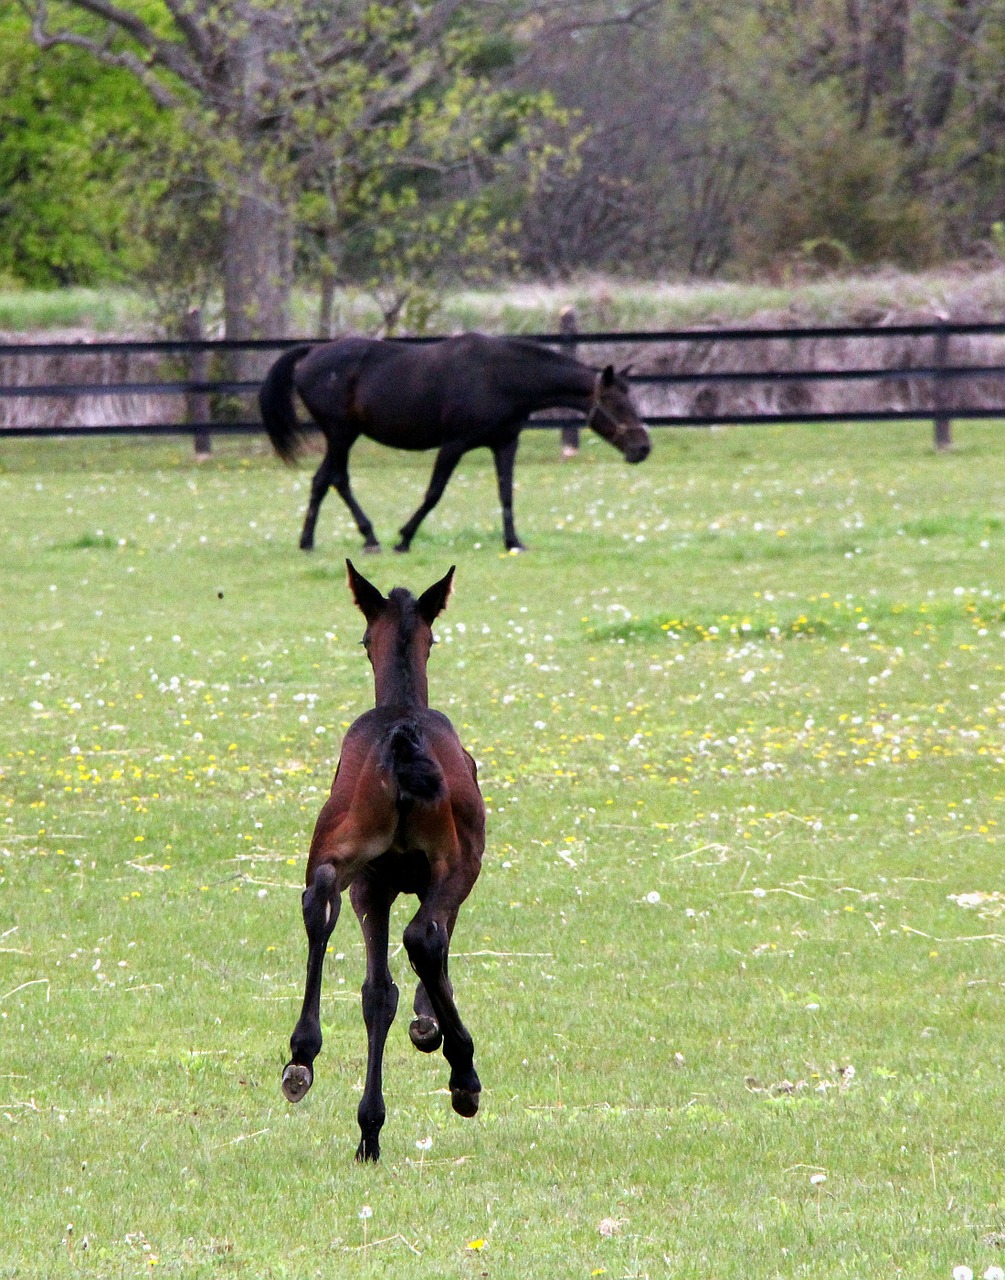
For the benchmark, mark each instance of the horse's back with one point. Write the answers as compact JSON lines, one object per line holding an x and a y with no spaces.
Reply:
{"x":409,"y":395}
{"x":328,"y":368}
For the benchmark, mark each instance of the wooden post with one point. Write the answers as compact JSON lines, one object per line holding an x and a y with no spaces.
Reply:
{"x":197,"y":402}
{"x":567,"y":324}
{"x":943,"y":396}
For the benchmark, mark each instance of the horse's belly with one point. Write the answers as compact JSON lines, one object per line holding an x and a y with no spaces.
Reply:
{"x":404,"y":435}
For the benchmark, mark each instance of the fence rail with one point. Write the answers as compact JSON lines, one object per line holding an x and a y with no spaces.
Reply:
{"x":933,"y":387}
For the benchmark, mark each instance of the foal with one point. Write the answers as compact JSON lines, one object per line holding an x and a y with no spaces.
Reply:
{"x":404,"y":816}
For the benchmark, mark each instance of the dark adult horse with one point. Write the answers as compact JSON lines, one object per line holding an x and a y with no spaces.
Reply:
{"x":452,"y":395}
{"x":404,"y":816}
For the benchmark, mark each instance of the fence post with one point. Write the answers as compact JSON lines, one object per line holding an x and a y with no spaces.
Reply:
{"x":567,"y":324}
{"x":942,"y":423}
{"x":197,"y":402}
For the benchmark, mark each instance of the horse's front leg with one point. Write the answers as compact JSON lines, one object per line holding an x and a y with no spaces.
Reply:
{"x":372,"y":904}
{"x":504,"y":456}
{"x":427,"y":941}
{"x":321,"y":902}
{"x":446,"y":460}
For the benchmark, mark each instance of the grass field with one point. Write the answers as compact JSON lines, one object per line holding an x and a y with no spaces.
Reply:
{"x":734,"y":968}
{"x":600,"y":303}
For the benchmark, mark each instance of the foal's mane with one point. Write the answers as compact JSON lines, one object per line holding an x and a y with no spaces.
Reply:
{"x":408,"y":615}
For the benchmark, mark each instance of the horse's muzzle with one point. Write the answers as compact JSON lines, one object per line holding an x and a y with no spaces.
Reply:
{"x":638,"y":452}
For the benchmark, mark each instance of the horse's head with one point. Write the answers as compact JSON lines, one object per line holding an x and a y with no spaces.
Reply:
{"x":612,"y":416}
{"x":399,"y":633}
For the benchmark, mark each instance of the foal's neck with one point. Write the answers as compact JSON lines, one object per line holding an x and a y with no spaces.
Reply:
{"x":401,"y":689}
{"x":400,"y":681}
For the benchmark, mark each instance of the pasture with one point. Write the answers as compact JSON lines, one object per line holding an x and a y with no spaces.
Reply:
{"x":734,"y":967}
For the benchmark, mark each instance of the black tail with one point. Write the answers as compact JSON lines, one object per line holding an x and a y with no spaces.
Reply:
{"x":417,"y":774}
{"x":275,"y":400}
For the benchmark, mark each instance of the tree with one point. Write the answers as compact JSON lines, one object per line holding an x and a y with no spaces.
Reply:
{"x":281,"y":100}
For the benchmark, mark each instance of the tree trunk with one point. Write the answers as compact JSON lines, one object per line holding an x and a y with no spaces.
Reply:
{"x":257,"y":273}
{"x":257,"y":266}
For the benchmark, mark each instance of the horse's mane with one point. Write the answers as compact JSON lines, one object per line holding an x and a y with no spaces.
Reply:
{"x":538,"y":349}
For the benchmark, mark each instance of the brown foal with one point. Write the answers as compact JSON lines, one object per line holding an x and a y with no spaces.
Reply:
{"x":404,"y":816}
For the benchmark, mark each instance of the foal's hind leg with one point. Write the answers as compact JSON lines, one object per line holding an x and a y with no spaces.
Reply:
{"x":372,"y":903}
{"x":427,"y":941}
{"x":424,"y":1031}
{"x":321,"y":901}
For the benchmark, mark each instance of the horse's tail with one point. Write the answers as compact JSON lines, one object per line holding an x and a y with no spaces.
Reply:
{"x":275,"y":400}
{"x":415,"y":771}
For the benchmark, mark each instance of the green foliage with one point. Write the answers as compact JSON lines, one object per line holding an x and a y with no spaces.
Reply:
{"x":68,"y":127}
{"x":839,"y":183}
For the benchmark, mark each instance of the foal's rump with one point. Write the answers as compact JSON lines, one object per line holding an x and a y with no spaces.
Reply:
{"x":416,"y":773}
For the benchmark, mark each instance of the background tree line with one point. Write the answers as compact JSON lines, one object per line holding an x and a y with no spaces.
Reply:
{"x":199,"y":146}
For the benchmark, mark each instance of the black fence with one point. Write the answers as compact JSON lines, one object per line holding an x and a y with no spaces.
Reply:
{"x":696,"y":377}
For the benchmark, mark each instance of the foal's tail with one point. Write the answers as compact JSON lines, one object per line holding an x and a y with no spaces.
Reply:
{"x":275,"y":399}
{"x":417,"y":774}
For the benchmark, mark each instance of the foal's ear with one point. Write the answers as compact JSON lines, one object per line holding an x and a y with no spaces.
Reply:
{"x":366,"y":595}
{"x":434,"y":599}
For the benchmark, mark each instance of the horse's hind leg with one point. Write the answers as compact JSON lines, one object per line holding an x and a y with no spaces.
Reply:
{"x":334,"y":470}
{"x":427,"y":941}
{"x":424,"y":1031}
{"x":321,"y":901}
{"x":372,"y":903}
{"x":446,"y":460}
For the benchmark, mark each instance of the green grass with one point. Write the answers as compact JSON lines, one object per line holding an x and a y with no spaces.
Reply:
{"x":739,"y":717}
{"x":99,"y":310}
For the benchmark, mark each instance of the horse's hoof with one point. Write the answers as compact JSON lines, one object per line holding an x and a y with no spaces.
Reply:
{"x":425,"y":1034}
{"x":402,"y":547}
{"x":371,"y":548}
{"x":515,"y":548}
{"x":368,"y":1151}
{"x":297,"y":1079}
{"x":465,"y":1101}
{"x":307,"y":546}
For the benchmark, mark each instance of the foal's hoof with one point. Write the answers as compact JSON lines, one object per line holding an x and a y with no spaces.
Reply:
{"x":368,"y":1151}
{"x":424,"y":1032}
{"x":297,"y":1079}
{"x":465,"y":1101}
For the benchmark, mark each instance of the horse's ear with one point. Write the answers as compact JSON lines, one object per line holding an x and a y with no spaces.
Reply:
{"x":623,"y":373}
{"x":434,"y":599}
{"x":607,"y":376}
{"x":366,"y":595}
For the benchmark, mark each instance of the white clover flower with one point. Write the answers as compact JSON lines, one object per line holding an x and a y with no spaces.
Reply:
{"x":367,"y":1212}
{"x":818,"y":1179}
{"x":424,"y":1144}
{"x":962,"y":1273}
{"x":994,"y":1273}
{"x":652,"y":897}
